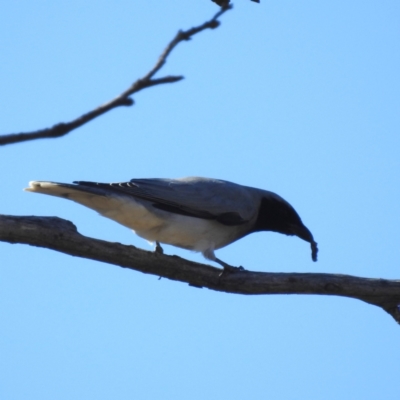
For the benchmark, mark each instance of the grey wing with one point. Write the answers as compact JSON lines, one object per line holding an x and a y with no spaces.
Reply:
{"x":226,"y":202}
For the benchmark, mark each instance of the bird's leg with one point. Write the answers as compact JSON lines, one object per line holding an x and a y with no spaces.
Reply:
{"x":228,"y":269}
{"x":159,"y":249}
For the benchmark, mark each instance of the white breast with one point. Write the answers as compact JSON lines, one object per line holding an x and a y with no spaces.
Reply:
{"x":190,"y":233}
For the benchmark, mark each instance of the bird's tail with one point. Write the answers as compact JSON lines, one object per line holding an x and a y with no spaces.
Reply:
{"x":91,"y":197}
{"x":65,"y":190}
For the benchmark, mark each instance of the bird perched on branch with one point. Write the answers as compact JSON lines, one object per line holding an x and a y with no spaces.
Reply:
{"x":224,"y":3}
{"x":198,"y":214}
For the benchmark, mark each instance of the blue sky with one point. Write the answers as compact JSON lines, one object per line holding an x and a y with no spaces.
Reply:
{"x":298,"y":98}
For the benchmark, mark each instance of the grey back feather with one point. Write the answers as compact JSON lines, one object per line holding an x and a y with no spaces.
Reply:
{"x":225,"y":201}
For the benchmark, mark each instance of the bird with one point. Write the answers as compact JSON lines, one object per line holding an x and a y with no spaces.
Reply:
{"x":193,"y":213}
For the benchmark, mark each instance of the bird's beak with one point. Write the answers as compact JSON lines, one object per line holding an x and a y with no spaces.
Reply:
{"x":303,"y":233}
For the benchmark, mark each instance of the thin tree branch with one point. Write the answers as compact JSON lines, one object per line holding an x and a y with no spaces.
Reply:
{"x":124,"y":98}
{"x":61,"y":235}
{"x":224,"y":3}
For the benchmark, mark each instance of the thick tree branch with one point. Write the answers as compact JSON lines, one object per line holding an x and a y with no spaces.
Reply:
{"x":124,"y":98}
{"x":61,"y":235}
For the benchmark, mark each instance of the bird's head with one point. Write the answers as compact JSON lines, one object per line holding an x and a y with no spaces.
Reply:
{"x":277,"y":215}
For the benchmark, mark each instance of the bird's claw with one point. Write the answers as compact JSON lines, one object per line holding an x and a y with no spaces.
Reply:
{"x":229,"y":269}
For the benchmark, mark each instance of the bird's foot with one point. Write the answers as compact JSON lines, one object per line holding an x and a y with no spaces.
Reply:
{"x":159,"y":249}
{"x":231,"y":270}
{"x":228,"y":269}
